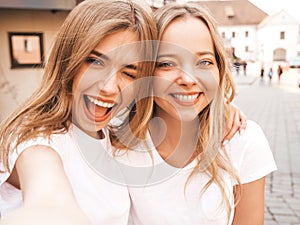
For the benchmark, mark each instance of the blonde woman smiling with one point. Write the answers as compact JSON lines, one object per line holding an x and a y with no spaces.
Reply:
{"x":192,"y":178}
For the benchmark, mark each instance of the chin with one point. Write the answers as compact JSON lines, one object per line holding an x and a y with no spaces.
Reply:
{"x":187,"y":116}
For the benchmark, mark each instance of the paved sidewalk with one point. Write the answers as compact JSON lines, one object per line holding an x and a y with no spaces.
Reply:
{"x":276,"y":108}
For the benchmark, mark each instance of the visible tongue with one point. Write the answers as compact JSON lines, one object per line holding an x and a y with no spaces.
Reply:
{"x":97,"y":110}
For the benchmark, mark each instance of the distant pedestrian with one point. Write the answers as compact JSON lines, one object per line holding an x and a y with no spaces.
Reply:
{"x":279,"y":72}
{"x":245,"y":67}
{"x":237,"y":65}
{"x":262,"y":71}
{"x":270,"y":74}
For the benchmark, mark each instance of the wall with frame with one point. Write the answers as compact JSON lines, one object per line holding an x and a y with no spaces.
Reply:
{"x":26,"y":37}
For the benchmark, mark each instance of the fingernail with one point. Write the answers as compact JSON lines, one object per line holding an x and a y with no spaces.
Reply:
{"x":242,"y":131}
{"x":225,"y":142}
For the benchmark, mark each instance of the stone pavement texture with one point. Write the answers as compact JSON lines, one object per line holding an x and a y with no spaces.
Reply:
{"x":276,"y":108}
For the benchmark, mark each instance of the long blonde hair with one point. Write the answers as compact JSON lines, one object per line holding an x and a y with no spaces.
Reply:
{"x":49,"y":109}
{"x":213,"y":117}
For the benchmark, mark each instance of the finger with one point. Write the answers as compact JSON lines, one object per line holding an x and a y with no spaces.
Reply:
{"x":243,"y":122}
{"x":230,"y":120}
{"x":229,"y":125}
{"x":234,"y":128}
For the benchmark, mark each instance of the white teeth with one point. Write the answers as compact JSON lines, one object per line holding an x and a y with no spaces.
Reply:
{"x":100,"y":103}
{"x":185,"y":98}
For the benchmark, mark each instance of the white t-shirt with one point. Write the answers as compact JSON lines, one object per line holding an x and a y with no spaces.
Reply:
{"x":93,"y":173}
{"x":160,"y":195}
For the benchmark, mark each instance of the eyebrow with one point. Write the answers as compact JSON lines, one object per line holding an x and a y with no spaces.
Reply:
{"x":205,"y":53}
{"x":131,"y":66}
{"x":175,"y":55}
{"x":166,"y":55}
{"x":99,"y":54}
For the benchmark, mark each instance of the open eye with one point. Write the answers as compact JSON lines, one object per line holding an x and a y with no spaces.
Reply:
{"x":95,"y":61}
{"x":204,"y":62}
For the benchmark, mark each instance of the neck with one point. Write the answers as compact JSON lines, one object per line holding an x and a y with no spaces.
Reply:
{"x":175,"y":140}
{"x":94,"y":134}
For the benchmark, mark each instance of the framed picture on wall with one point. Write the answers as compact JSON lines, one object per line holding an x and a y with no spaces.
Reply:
{"x":26,"y":49}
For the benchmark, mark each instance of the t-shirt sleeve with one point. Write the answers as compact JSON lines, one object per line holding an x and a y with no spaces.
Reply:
{"x":13,"y":156}
{"x":251,"y":154}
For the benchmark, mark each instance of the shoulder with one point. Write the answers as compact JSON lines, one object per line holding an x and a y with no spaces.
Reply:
{"x":56,"y":143}
{"x":39,"y":153}
{"x":253,"y":129}
{"x":38,"y":168}
{"x":253,"y":134}
{"x":251,"y":153}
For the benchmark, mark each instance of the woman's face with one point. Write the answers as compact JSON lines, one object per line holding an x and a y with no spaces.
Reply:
{"x":104,"y":83}
{"x":186,"y":76}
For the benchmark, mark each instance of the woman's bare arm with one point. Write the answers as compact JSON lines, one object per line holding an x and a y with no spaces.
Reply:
{"x":47,"y":194}
{"x":250,"y":209}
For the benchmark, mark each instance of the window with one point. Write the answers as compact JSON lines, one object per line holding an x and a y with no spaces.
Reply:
{"x":282,"y":34}
{"x":229,"y":12}
{"x":233,"y":34}
{"x":26,"y":49}
{"x":223,"y":35}
{"x":246,"y":34}
{"x":246,"y":48}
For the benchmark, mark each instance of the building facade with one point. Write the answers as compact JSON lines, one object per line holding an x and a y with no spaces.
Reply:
{"x":248,"y":34}
{"x":278,"y":38}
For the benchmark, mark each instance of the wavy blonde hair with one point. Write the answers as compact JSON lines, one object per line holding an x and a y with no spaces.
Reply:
{"x":49,"y":109}
{"x":213,"y":118}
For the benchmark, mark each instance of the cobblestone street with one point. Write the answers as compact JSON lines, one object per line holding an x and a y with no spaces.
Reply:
{"x":276,"y":108}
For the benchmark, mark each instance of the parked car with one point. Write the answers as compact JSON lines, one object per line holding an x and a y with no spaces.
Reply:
{"x":294,"y":63}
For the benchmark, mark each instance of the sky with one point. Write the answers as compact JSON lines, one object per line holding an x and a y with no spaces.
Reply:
{"x":271,"y":7}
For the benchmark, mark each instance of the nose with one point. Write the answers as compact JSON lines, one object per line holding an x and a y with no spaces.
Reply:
{"x":110,"y":85}
{"x":185,"y":78}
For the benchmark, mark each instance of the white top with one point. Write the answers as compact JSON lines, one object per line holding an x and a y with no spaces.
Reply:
{"x":92,"y":172}
{"x":158,"y":193}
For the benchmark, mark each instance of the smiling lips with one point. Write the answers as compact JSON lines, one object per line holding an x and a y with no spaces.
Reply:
{"x":98,"y":110}
{"x":186,"y":99}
